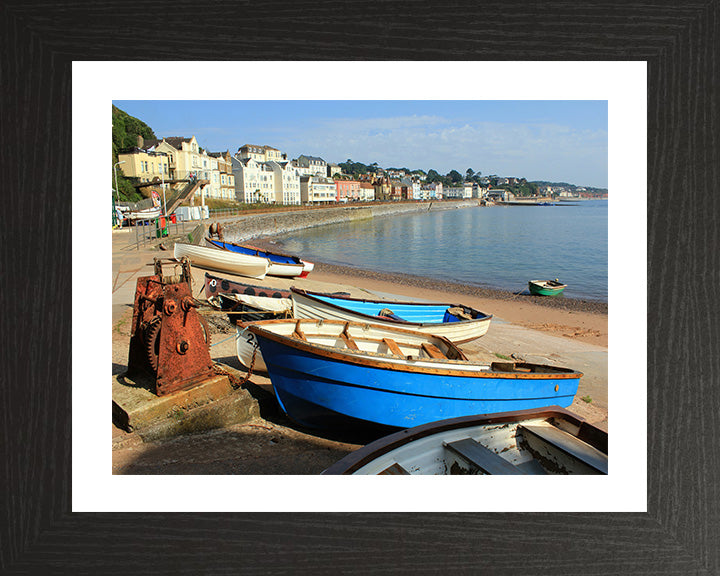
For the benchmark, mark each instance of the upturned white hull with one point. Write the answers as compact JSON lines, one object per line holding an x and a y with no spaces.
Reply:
{"x":284,"y":270}
{"x":144,"y":214}
{"x":223,"y":260}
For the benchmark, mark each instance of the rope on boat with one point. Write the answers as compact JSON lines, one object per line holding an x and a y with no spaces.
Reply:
{"x":221,"y":341}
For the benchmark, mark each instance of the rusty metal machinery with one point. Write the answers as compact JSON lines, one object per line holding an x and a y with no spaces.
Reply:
{"x":169,"y":339}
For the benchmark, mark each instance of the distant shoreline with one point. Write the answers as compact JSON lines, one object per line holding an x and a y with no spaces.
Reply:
{"x":559,"y":303}
{"x":264,"y":231}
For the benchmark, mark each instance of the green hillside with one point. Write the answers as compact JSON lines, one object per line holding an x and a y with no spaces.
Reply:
{"x":125,"y":130}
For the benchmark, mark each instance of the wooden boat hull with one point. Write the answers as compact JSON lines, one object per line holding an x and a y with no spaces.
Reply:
{"x":330,"y":385}
{"x":541,"y":288}
{"x":216,"y":285}
{"x":248,"y":351}
{"x":279,"y":264}
{"x":547,"y":441}
{"x":223,"y":260}
{"x":429,"y":318}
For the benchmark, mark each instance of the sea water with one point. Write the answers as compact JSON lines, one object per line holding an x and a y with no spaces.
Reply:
{"x":496,"y":246}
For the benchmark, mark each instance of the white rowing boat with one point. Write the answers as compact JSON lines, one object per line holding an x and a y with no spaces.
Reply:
{"x":455,"y":322}
{"x":545,"y":441}
{"x":223,"y":260}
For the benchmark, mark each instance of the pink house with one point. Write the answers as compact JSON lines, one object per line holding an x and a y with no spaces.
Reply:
{"x":348,"y":190}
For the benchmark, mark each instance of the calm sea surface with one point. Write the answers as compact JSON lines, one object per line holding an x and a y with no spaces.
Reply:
{"x":497,"y":247}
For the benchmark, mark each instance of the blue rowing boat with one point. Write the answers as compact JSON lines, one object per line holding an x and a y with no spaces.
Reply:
{"x":331,"y":374}
{"x":456,"y":322}
{"x":280,"y":264}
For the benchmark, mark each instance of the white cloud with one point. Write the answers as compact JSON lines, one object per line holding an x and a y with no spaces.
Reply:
{"x":536,"y":151}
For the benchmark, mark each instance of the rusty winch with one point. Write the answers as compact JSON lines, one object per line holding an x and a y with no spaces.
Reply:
{"x":169,"y":338}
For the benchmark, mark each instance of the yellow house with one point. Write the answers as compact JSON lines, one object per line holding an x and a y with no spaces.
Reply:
{"x":144,"y":165}
{"x":183,"y":154}
{"x":225,"y":173}
{"x":180,"y":158}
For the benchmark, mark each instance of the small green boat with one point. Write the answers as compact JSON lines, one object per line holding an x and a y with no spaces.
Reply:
{"x":546,"y":287}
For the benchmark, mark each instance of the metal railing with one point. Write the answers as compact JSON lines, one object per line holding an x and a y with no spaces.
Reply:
{"x":149,"y":231}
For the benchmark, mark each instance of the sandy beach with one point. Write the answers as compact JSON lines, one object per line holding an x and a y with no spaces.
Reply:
{"x":577,"y":319}
{"x":561,"y":331}
{"x":585,"y":320}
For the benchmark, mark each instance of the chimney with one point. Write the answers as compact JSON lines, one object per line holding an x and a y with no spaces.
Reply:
{"x":140,"y":141}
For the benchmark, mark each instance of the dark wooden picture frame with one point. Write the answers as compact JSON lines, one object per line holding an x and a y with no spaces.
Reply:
{"x":681,"y":530}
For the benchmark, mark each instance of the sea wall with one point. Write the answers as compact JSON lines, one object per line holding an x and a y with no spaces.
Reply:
{"x":241,"y":228}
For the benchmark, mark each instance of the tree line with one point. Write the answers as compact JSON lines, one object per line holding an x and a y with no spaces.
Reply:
{"x":125,"y":130}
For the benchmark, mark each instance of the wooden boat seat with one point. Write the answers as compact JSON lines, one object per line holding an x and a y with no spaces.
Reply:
{"x":486,"y":460}
{"x":392,"y":346}
{"x":394,"y":470}
{"x":433,"y":351}
{"x":570,"y":445}
{"x":349,"y":342}
{"x":508,"y":367}
{"x":298,"y":333}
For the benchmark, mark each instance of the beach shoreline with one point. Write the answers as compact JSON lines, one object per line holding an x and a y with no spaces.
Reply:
{"x":585,"y":320}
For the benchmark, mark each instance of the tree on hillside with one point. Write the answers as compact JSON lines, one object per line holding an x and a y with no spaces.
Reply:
{"x":125,"y":130}
{"x":469,"y":173}
{"x":356,"y":168}
{"x":454,"y":176}
{"x":433,"y":176}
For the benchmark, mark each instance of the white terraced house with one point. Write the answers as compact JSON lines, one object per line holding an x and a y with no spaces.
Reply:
{"x":260,"y":153}
{"x":254,"y":181}
{"x":286,"y":182}
{"x":225,"y":175}
{"x":311,"y":166}
{"x":317,"y":190}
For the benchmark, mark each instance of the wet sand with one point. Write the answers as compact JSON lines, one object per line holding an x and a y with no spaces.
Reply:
{"x":585,"y":320}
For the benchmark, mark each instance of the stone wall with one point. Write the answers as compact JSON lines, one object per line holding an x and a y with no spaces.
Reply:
{"x":242,"y":228}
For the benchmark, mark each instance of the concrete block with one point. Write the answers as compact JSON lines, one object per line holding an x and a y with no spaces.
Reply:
{"x":213,"y":404}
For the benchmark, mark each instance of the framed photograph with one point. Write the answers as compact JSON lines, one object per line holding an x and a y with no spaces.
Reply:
{"x":64,"y":518}
{"x":556,"y":129}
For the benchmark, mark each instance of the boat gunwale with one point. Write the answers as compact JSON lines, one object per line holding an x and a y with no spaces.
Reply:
{"x":314,"y":297}
{"x":297,"y":260}
{"x":372,"y":451}
{"x":384,"y":362}
{"x":544,"y":285}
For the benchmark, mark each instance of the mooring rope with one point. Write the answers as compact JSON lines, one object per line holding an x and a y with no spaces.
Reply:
{"x":221,"y":341}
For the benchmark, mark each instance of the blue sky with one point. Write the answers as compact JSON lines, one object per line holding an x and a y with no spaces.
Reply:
{"x":539,"y":140}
